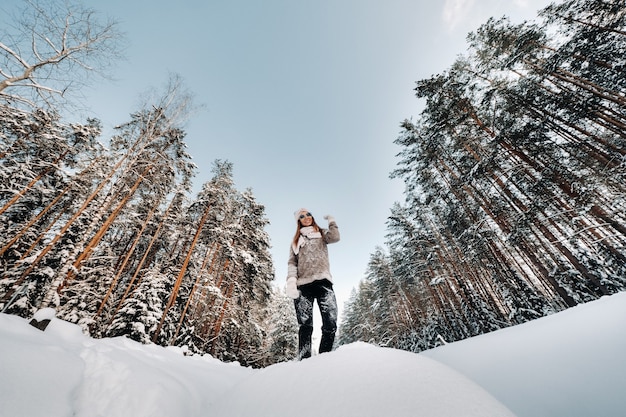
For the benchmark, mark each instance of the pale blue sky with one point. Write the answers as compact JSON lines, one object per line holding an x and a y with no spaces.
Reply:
{"x":304,"y":98}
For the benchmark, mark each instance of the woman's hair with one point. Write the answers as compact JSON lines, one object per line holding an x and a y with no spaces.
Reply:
{"x":297,"y":235}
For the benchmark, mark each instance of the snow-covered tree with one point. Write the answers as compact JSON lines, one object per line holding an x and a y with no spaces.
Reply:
{"x":281,"y":343}
{"x":514,"y":178}
{"x":139,"y":315}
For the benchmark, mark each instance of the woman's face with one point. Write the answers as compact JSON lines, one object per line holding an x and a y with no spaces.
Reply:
{"x":306,"y":219}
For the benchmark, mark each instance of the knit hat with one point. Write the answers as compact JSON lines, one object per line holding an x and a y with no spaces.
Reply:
{"x":296,"y":214}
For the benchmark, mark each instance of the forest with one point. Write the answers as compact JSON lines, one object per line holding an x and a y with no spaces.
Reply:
{"x":515,"y":184}
{"x":514,"y":173}
{"x":106,"y":230}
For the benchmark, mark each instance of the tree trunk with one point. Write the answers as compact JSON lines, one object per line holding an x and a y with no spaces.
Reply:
{"x":181,"y":274}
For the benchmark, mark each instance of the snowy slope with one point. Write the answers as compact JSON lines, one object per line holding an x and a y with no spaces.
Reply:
{"x":568,"y":364}
{"x":60,"y":372}
{"x":70,"y":374}
{"x":359,"y":380}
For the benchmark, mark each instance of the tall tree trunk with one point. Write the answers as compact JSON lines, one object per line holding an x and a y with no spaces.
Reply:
{"x":32,"y":183}
{"x":103,"y":229}
{"x":211,"y":249}
{"x":129,"y":254}
{"x":142,"y":262}
{"x":181,"y":274}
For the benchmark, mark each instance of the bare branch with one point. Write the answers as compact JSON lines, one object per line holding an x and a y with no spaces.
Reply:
{"x":66,"y":45}
{"x":14,"y":54}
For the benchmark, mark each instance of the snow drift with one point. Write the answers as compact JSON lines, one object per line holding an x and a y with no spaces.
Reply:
{"x":568,"y":364}
{"x":61,"y":372}
{"x":359,"y":380}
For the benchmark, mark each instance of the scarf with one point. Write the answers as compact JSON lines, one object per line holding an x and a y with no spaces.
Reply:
{"x":306,"y":233}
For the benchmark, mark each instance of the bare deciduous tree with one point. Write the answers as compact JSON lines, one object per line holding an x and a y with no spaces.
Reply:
{"x":50,"y":49}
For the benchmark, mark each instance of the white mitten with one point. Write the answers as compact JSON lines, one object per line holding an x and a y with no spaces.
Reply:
{"x":291,"y":288}
{"x":329,"y":218}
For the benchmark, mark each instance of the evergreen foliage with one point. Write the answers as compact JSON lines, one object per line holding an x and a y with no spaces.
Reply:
{"x":111,"y":236}
{"x":515,"y":191}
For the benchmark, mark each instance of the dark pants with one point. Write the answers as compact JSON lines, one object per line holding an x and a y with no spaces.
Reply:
{"x":322,"y":291}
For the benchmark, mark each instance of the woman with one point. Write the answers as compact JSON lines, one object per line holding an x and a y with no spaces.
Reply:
{"x":309,"y":279}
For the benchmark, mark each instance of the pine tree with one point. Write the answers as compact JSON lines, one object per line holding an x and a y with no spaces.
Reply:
{"x":514,"y":191}
{"x":281,"y":343}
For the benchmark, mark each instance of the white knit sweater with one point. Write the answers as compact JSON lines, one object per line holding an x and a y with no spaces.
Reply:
{"x":311,"y":263}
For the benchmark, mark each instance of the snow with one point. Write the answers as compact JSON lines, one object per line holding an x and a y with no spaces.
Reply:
{"x":571,"y":363}
{"x":568,"y":364}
